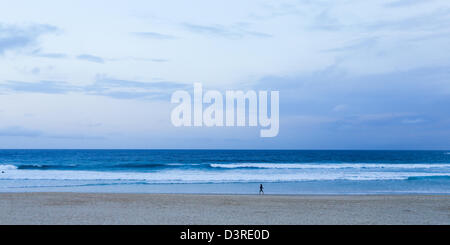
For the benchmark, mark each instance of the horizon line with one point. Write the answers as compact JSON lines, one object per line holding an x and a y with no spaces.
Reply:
{"x":223,"y":149}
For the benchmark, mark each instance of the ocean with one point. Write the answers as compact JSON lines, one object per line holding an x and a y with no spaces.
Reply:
{"x":226,"y":171}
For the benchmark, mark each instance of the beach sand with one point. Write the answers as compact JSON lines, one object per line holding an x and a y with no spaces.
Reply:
{"x":93,"y":208}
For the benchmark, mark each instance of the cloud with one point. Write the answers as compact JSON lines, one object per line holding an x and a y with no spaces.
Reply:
{"x":103,"y":86}
{"x":105,"y":81}
{"x":74,"y":136}
{"x":276,"y":9}
{"x":36,"y":70}
{"x":15,"y":37}
{"x":376,"y":118}
{"x":39,"y":53}
{"x":127,"y":89}
{"x":413,"y":121}
{"x":394,"y":100}
{"x":365,"y":43}
{"x":326,"y":22}
{"x":46,"y":87}
{"x":153,"y":35}
{"x":236,"y":31}
{"x":340,"y":107}
{"x":403,"y":3}
{"x":436,"y":20}
{"x":91,"y":58}
{"x":158,"y":60}
{"x":19,"y":131}
{"x":401,"y":22}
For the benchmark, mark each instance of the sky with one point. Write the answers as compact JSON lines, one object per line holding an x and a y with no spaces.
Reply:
{"x":99,"y":74}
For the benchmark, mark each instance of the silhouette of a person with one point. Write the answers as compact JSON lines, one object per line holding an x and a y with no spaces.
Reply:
{"x":261,"y":189}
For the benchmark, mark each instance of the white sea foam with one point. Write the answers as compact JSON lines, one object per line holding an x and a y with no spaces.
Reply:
{"x":328,"y":165}
{"x":196,"y":176}
{"x":7,"y":167}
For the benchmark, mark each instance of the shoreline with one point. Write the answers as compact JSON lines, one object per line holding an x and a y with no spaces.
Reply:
{"x":391,"y":194}
{"x":70,"y":208}
{"x":332,"y":187}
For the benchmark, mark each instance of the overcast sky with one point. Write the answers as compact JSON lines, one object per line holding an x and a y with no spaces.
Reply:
{"x":351,"y":74}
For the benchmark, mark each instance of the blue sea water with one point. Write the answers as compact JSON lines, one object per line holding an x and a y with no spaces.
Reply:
{"x":226,"y":171}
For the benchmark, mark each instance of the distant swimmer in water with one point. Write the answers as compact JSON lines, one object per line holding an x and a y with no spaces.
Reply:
{"x":261,"y":189}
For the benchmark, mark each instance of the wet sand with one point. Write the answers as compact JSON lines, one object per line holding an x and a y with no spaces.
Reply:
{"x":93,"y":208}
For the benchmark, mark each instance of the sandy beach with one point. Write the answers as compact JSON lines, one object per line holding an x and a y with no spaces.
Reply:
{"x":115,"y":209}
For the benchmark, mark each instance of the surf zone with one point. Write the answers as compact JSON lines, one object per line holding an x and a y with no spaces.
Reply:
{"x":231,"y":112}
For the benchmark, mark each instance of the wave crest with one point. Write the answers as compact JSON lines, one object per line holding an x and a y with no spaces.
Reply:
{"x":325,"y":166}
{"x":7,"y":167}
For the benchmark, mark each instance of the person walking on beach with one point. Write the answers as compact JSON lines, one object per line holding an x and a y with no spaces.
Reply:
{"x":261,"y":189}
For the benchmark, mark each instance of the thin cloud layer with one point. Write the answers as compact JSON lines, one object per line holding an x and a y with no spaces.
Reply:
{"x":91,"y":58}
{"x":16,"y":37}
{"x":45,"y":87}
{"x":154,"y":35}
{"x":103,"y":86}
{"x":235,"y":31}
